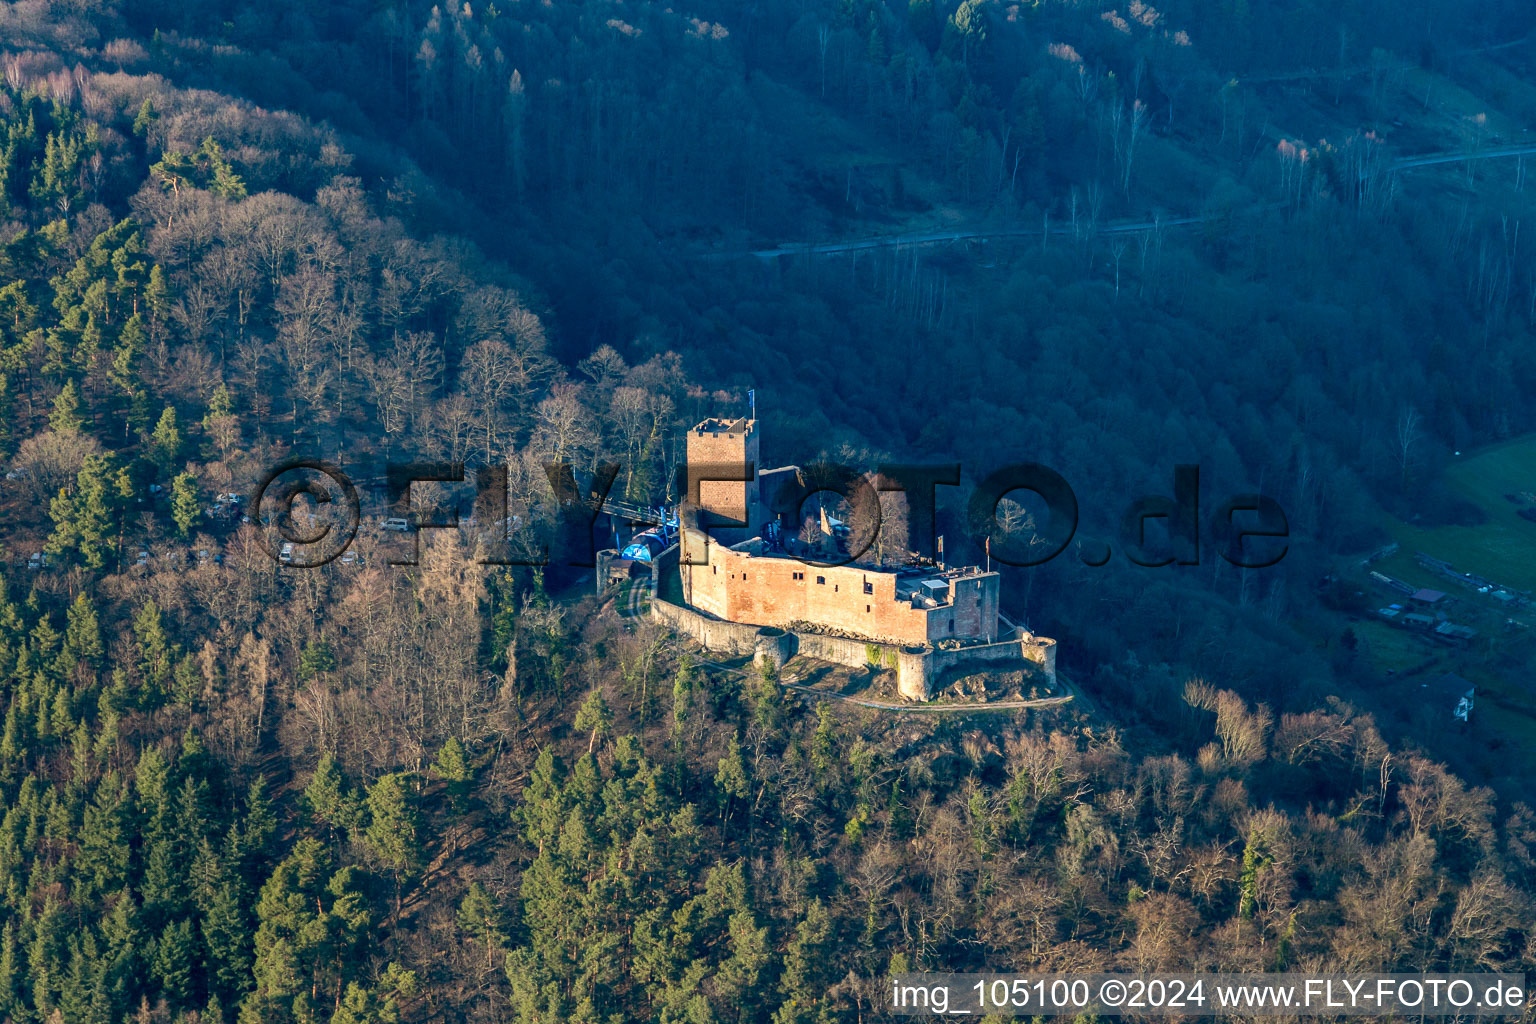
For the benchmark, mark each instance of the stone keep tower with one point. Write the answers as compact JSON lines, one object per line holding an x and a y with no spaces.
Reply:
{"x":732,"y":444}
{"x":723,"y":448}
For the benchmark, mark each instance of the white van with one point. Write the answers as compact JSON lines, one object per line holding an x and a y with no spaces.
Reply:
{"x":398,"y":524}
{"x":286,"y":554}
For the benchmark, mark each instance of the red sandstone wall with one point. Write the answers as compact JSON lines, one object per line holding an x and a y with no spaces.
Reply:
{"x":974,"y":605}
{"x":767,"y":592}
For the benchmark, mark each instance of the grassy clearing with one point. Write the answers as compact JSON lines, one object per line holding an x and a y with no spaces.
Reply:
{"x":1394,"y":649}
{"x":1504,"y":547}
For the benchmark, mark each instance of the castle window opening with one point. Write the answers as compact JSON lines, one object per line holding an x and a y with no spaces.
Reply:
{"x":822,"y":580}
{"x":869,"y":588}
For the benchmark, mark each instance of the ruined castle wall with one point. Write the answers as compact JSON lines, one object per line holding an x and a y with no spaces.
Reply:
{"x":914,"y":672}
{"x":840,"y":650}
{"x":774,"y":647}
{"x":1039,"y":650}
{"x":782,"y":591}
{"x":1042,"y":651}
{"x":734,"y":638}
{"x":918,"y":666}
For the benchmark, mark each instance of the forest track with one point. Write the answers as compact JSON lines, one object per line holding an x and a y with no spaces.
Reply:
{"x":907,"y":240}
{"x":911,"y":239}
{"x":1433,"y":159}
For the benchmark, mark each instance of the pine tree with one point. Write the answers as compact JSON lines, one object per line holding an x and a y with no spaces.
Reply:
{"x":60,"y":342}
{"x":205,"y":168}
{"x":102,"y":863}
{"x":806,"y":961}
{"x":156,"y":656}
{"x":220,"y":403}
{"x":186,"y":683}
{"x":78,"y":982}
{"x":122,"y":963}
{"x":185,"y":503}
{"x":7,"y":398}
{"x":358,"y":1006}
{"x":739,"y":980}
{"x":544,"y":802}
{"x":1256,"y":857}
{"x":824,"y":744}
{"x":163,"y":887}
{"x":311,"y":936}
{"x":225,"y":182}
{"x":220,"y":422}
{"x":9,"y":970}
{"x":82,"y":635}
{"x":453,"y":767}
{"x":57,"y":179}
{"x":481,"y":916}
{"x":329,"y":799}
{"x":393,"y":832}
{"x":82,"y":519}
{"x":258,"y":829}
{"x":593,"y":716}
{"x":730,"y":778}
{"x":46,"y":952}
{"x":175,"y":954}
{"x":378,"y":1004}
{"x":218,"y":892}
{"x":767,"y":701}
{"x":146,"y":117}
{"x":316,"y":658}
{"x":67,"y":416}
{"x":290,"y":927}
{"x":124,"y":371}
{"x":90,"y":342}
{"x":682,"y":692}
{"x":157,"y":292}
{"x":165,"y":443}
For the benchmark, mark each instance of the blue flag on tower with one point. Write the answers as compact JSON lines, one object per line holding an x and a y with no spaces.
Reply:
{"x":752,"y":400}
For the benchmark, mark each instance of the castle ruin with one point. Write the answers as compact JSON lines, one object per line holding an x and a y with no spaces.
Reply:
{"x":744,"y":593}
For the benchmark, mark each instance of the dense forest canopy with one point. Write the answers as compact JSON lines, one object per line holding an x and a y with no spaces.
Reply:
{"x":527,"y":233}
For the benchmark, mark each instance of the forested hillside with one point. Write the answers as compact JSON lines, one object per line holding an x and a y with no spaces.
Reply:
{"x":232,"y":233}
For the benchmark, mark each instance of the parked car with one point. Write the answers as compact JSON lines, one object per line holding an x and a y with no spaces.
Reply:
{"x":397,"y":524}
